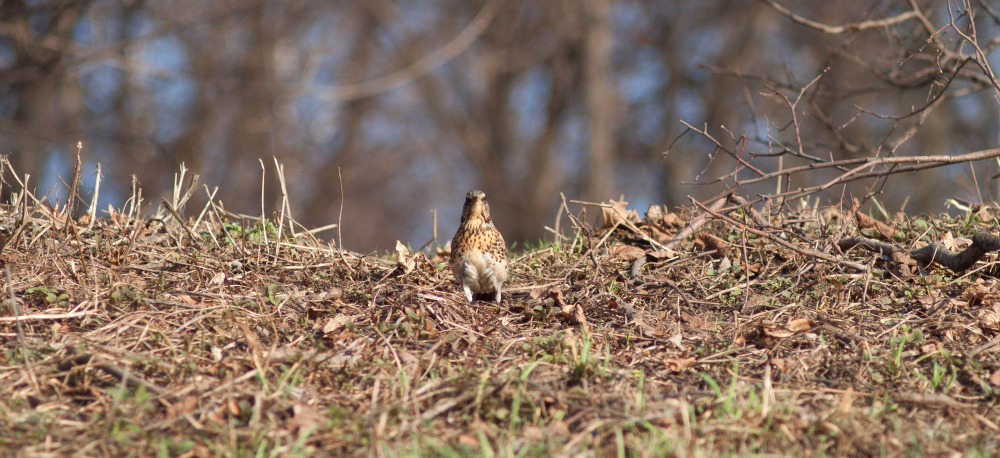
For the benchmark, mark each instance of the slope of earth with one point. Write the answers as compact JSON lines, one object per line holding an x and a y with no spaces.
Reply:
{"x":225,"y":338}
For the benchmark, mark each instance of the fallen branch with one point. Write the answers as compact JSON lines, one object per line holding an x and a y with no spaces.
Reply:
{"x":982,"y":243}
{"x":780,"y":241}
{"x":693,"y":226}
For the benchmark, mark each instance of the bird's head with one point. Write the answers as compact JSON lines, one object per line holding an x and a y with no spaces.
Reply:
{"x":476,"y":211}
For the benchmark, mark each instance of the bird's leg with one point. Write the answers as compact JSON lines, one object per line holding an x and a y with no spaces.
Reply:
{"x":496,"y":287}
{"x":468,"y":292}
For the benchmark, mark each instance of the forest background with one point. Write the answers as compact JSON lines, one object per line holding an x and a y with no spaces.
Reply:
{"x":414,"y":103}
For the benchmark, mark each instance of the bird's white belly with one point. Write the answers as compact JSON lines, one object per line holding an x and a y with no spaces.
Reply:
{"x":480,"y":271}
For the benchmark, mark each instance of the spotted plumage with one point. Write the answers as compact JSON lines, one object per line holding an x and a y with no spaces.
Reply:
{"x":478,"y":252}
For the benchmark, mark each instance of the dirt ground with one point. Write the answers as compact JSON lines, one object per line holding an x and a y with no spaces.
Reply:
{"x":232,"y":336}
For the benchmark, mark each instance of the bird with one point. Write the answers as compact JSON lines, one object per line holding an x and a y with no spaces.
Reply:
{"x":478,"y":252}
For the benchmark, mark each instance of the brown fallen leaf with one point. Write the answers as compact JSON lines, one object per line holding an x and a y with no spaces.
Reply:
{"x":781,"y":331}
{"x":754,"y":267}
{"x":985,"y":214}
{"x":574,"y":314}
{"x":954,"y":243}
{"x":740,"y":341}
{"x":801,"y":324}
{"x":867,"y":222}
{"x":533,"y":433}
{"x":677,"y":364}
{"x":906,"y":263}
{"x":981,"y":294}
{"x":930,"y":347}
{"x":989,"y":318}
{"x":618,"y":213}
{"x":332,"y":294}
{"x":540,"y":292}
{"x":649,"y":330}
{"x":709,"y":242}
{"x":196,"y":451}
{"x":948,"y":240}
{"x":661,"y":255}
{"x":995,"y":378}
{"x":626,"y":253}
{"x":657,"y":234}
{"x":425,"y":264}
{"x":696,"y":322}
{"x":336,"y":323}
{"x":671,"y":220}
{"x":442,"y":254}
{"x":403,"y":257}
{"x":408,"y":262}
{"x":654,"y":214}
{"x":678,"y":341}
{"x":186,"y":299}
{"x":775,"y":330}
{"x":557,"y":298}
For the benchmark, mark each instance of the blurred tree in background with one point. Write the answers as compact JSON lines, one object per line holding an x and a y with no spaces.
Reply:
{"x":419,"y":101}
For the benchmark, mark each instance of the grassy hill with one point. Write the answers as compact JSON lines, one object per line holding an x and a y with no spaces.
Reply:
{"x":220,"y":336}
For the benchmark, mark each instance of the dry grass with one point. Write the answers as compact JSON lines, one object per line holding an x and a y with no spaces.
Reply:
{"x":137,"y":339}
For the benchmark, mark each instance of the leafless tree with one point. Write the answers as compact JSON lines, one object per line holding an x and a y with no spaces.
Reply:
{"x":417,"y":102}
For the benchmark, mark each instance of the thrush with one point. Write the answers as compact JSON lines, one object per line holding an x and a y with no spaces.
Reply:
{"x":478,"y":252}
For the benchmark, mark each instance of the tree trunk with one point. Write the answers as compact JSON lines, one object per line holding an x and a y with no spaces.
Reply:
{"x":600,"y":109}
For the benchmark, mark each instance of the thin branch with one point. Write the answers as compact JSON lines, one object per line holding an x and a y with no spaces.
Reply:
{"x":779,"y":240}
{"x":419,"y":68}
{"x":838,"y":29}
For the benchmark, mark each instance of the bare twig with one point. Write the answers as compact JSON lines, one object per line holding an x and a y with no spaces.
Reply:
{"x":434,"y":233}
{"x":624,"y":221}
{"x":838,"y":29}
{"x":694,"y":224}
{"x":340,"y":221}
{"x":71,"y":197}
{"x":92,"y":211}
{"x":780,"y":241}
{"x":180,"y":220}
